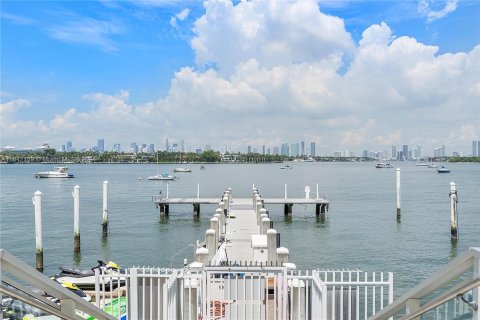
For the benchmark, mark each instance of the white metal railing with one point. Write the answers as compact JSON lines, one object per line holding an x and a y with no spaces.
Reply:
{"x":460,"y":276}
{"x":18,"y":280}
{"x":248,"y":292}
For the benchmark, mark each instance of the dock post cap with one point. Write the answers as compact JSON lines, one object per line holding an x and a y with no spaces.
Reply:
{"x":263,"y":211}
{"x":282,"y":250}
{"x":290,"y":266}
{"x":218,"y":211}
{"x":217,"y":215}
{"x":38,"y":193}
{"x":398,"y":169}
{"x":452,"y":184}
{"x":105,"y":182}
{"x":214,"y":219}
{"x":266,"y":219}
{"x":76,"y":187}
{"x":271,"y":231}
{"x":210,"y":231}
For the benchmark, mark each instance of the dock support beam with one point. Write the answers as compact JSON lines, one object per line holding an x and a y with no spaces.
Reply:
{"x":320,"y":210}
{"x":164,"y":209}
{"x":196,"y":210}
{"x":287,"y":209}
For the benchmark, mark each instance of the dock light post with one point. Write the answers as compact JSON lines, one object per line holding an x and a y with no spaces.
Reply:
{"x":398,"y":193}
{"x":76,"y":219}
{"x":37,"y":202}
{"x":105,"y":208}
{"x":453,"y":211}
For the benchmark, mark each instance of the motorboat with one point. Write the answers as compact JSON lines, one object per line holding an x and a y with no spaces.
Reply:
{"x":382,"y":165}
{"x":443,"y":169}
{"x":287,"y":167}
{"x":163,"y":176}
{"x":57,"y":172}
{"x":421,"y":164}
{"x":182,"y":170}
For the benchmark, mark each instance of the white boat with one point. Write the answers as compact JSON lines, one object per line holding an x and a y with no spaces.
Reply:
{"x":443,"y":169}
{"x":421,"y":164}
{"x":433,"y":165}
{"x":383,"y":165}
{"x":163,"y":176}
{"x":182,"y":170}
{"x":57,"y":172}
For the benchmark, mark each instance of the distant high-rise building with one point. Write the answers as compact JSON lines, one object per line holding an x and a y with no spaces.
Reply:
{"x":198,"y":150}
{"x":116,"y":148}
{"x":475,"y":148}
{"x":312,"y":149}
{"x":151,"y":148}
{"x":167,"y":146}
{"x":182,"y":145}
{"x":101,"y":145}
{"x":69,"y":146}
{"x":405,"y":152}
{"x":337,"y":154}
{"x":394,"y":152}
{"x":439,"y":152}
{"x":62,"y":148}
{"x":133,"y":147}
{"x":263,"y":149}
{"x":276,"y":151}
{"x":365,"y":153}
{"x":249,"y":149}
{"x":268,"y":151}
{"x":302,"y":148}
{"x":285,"y":150}
{"x":295,"y":150}
{"x":400,"y":155}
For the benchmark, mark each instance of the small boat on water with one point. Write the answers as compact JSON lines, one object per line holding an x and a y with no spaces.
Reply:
{"x":383,"y":165}
{"x":182,"y":170}
{"x":163,"y":176}
{"x":431,"y":165}
{"x":443,"y":169}
{"x":287,"y":167}
{"x":57,"y":172}
{"x":421,"y":164}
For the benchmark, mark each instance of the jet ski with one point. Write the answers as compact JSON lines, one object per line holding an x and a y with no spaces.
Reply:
{"x":84,"y":279}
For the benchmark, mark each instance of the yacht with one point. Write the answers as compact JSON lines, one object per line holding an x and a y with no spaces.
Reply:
{"x":163,"y":176}
{"x":182,"y":170}
{"x":443,"y":169}
{"x":383,"y":165}
{"x":57,"y":172}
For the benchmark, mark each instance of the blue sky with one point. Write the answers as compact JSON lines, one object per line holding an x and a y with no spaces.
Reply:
{"x":262,"y":72}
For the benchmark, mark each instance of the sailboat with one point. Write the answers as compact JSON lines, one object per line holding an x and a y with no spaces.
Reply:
{"x":163,"y":176}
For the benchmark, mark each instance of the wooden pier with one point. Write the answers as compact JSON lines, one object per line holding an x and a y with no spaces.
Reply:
{"x":163,"y":203}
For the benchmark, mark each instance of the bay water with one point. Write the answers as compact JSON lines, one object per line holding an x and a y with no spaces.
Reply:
{"x":360,"y":232}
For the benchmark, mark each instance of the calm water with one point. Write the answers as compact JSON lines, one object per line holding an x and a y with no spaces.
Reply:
{"x":361,"y":230}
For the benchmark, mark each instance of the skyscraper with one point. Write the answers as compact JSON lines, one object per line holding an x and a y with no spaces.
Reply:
{"x":116,"y":147}
{"x":394,"y":152}
{"x":249,"y":149}
{"x":133,"y":147}
{"x":69,"y":147}
{"x":302,"y":148}
{"x":475,"y":148}
{"x":405,"y":152}
{"x":312,"y":149}
{"x":285,"y":150}
{"x":295,"y":150}
{"x":100,"y":145}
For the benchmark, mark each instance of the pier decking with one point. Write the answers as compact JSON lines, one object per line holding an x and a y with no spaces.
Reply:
{"x":163,"y":203}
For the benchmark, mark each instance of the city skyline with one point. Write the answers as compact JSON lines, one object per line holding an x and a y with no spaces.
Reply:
{"x":349,"y":75}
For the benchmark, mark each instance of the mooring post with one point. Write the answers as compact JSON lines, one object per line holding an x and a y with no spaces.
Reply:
{"x":167,"y":189}
{"x":272,"y":245}
{"x":453,"y":211}
{"x":265,"y":225}
{"x":226,"y":205}
{"x":198,"y":190}
{"x":37,"y":202}
{"x":317,"y":209}
{"x":261,"y":213}
{"x":287,"y":209}
{"x":201,"y":255}
{"x":210,"y":243}
{"x":285,"y":191}
{"x":317,"y":190}
{"x":282,"y":255}
{"x":221,"y":218}
{"x":76,"y":219}
{"x":105,"y":208}
{"x":214,"y":226}
{"x":398,"y":193}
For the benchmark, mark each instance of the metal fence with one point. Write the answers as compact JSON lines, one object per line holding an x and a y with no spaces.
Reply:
{"x":241,"y":292}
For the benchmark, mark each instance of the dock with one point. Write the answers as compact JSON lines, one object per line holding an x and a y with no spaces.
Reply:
{"x":163,"y":203}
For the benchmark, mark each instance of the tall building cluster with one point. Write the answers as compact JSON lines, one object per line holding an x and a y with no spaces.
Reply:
{"x":476,"y":148}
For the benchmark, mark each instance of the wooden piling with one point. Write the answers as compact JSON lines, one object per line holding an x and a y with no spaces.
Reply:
{"x":453,"y":211}
{"x":37,"y":202}
{"x":105,"y":208}
{"x":76,"y":219}
{"x":287,"y":209}
{"x":398,"y":193}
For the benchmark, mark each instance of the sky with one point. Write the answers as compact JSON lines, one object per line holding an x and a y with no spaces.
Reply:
{"x":346,"y":74}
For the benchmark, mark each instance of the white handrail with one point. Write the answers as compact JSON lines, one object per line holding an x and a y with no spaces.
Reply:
{"x":465,"y":262}
{"x":69,"y":301}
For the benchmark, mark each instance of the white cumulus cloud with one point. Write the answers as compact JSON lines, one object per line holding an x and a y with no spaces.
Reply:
{"x":425,"y":8}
